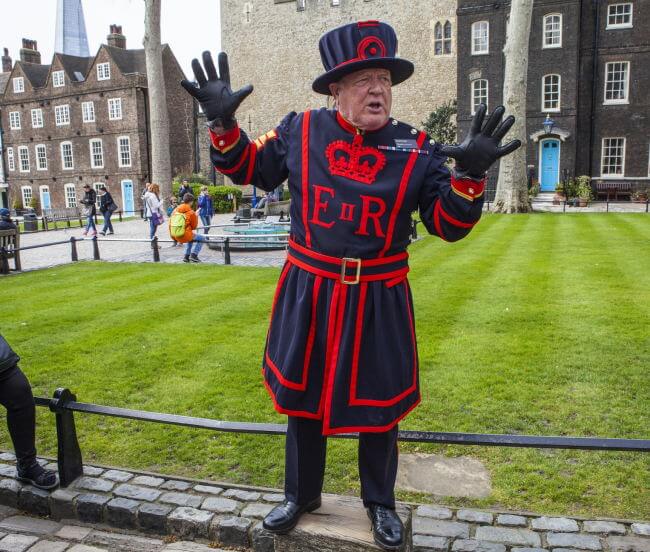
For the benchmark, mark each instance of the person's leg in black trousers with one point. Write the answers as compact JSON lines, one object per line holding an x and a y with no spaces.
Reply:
{"x":16,"y":396}
{"x":304,"y":470}
{"x":378,"y":457}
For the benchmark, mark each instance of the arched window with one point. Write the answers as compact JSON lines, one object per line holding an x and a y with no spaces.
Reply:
{"x":437,"y":39}
{"x":447,"y":38}
{"x":442,"y":38}
{"x":479,"y":93}
{"x":551,"y":93}
{"x":552,"y":31}
{"x":480,"y":37}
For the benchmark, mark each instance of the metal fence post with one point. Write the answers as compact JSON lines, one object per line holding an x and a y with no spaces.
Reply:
{"x":69,"y":453}
{"x":646,"y":205}
{"x":4,"y":261}
{"x":564,"y":206}
{"x":73,"y":249}
{"x":154,"y":246}
{"x":119,"y":213}
{"x":226,"y":251}
{"x":95,"y":249}
{"x":607,"y":202}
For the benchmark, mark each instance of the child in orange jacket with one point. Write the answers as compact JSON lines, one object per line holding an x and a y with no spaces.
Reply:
{"x":191,"y":222}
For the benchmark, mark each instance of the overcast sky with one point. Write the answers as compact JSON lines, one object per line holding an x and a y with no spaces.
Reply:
{"x":188,"y":26}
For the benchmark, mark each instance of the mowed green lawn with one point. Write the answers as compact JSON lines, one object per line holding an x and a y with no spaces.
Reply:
{"x":535,"y":324}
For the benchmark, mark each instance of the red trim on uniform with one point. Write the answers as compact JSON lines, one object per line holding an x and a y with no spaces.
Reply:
{"x":229,"y":139}
{"x":406,"y":175}
{"x":284,"y":381}
{"x":467,"y":186}
{"x":345,"y":124}
{"x":312,"y":331}
{"x":281,"y":410}
{"x":245,"y":155}
{"x":454,"y":221}
{"x":305,"y":176}
{"x":337,"y":261}
{"x":342,"y":296}
{"x":327,"y":430}
{"x":331,"y":326}
{"x":251,"y":164}
{"x":394,"y":281}
{"x":436,"y":220}
{"x":357,"y":342}
{"x":369,"y":23}
{"x":337,"y":275}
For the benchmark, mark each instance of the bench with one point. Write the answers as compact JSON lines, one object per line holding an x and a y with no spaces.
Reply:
{"x":615,"y":189}
{"x":9,"y":243}
{"x":61,"y":214}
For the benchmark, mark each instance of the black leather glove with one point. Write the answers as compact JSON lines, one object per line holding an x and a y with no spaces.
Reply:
{"x":481,"y":146}
{"x":217,"y":99}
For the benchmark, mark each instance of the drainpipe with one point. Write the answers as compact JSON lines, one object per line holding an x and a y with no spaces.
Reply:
{"x":145,"y":98}
{"x":594,"y":86}
{"x":197,"y":149}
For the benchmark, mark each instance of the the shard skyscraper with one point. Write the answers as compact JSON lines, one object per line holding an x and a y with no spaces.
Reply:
{"x":70,"y":36}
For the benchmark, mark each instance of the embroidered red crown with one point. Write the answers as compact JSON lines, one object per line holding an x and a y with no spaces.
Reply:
{"x":360,"y":163}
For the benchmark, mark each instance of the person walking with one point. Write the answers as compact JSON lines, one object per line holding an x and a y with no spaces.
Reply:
{"x":205,"y":209}
{"x":182,"y":226}
{"x":16,"y":396}
{"x":89,"y":210}
{"x":153,"y":208}
{"x":341,"y":351}
{"x":106,"y":208}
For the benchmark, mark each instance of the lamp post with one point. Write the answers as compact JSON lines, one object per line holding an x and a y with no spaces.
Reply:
{"x":548,"y":124}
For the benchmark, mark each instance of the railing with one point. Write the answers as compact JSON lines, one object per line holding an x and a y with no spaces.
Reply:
{"x":64,"y":404}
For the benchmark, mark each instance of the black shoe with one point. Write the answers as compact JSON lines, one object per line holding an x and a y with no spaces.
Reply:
{"x":285,"y":517}
{"x":387,"y":527}
{"x":38,"y":476}
{"x":103,"y":233}
{"x":194,"y":258}
{"x":186,"y":259}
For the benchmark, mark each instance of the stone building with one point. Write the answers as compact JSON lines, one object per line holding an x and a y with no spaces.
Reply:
{"x":273,"y":45}
{"x":84,"y":120}
{"x":588,"y":72}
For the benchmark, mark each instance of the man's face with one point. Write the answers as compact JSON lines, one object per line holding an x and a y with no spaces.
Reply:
{"x":364,"y":98}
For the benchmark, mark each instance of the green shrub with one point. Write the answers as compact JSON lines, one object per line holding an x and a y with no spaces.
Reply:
{"x":583,"y":187}
{"x":223,"y":197}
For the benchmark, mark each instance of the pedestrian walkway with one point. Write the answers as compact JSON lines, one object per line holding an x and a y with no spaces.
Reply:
{"x":114,"y":250}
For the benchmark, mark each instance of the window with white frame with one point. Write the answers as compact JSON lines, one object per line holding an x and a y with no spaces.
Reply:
{"x":479,"y":93}
{"x":37,"y":118}
{"x":14,"y":120}
{"x":619,"y":16}
{"x":58,"y":79}
{"x":103,"y":71}
{"x":480,"y":37}
{"x":114,"y":108}
{"x":70,"y":195}
{"x":613,"y":157}
{"x":551,"y":93}
{"x":552,"y":31}
{"x":27,"y":195}
{"x":19,"y":84}
{"x":96,"y":187}
{"x":23,"y":158}
{"x":41,"y":157}
{"x":442,"y":38}
{"x":96,"y":154}
{"x":67,"y":160}
{"x":617,"y":79}
{"x":124,"y":151}
{"x":88,"y":112}
{"x":62,"y":115}
{"x":11,"y":161}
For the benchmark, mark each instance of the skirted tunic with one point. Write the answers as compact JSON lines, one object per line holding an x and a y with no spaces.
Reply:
{"x":341,"y":344}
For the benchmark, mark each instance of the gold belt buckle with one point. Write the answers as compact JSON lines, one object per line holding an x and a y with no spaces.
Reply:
{"x":357,"y":276}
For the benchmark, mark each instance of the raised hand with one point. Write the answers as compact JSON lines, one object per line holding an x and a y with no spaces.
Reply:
{"x":481,"y":145}
{"x":217,"y":99}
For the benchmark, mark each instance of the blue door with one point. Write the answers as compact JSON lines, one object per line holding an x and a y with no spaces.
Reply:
{"x":550,"y":165}
{"x":45,"y":197}
{"x":127,"y":197}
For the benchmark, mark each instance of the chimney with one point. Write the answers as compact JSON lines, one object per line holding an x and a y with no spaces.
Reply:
{"x":6,"y":62}
{"x":116,"y":38}
{"x":29,"y":52}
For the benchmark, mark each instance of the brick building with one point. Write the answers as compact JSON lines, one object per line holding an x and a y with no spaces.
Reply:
{"x":84,"y":120}
{"x":273,"y":45}
{"x":588,"y":71}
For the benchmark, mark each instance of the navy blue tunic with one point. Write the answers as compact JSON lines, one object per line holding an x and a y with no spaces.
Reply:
{"x":336,"y":350}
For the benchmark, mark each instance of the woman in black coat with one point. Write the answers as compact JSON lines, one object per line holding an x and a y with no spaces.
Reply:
{"x":89,"y":211}
{"x":106,"y":208}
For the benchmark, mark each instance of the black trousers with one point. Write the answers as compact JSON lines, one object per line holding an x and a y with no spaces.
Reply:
{"x":16,"y":396}
{"x":305,"y":463}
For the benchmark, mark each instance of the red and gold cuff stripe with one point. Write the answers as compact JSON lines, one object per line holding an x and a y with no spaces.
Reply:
{"x":270,"y":135}
{"x":225,"y":142}
{"x":468,"y":188}
{"x":439,"y":212}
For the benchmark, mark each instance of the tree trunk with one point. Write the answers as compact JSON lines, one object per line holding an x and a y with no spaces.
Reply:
{"x":158,"y":116}
{"x":512,"y":185}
